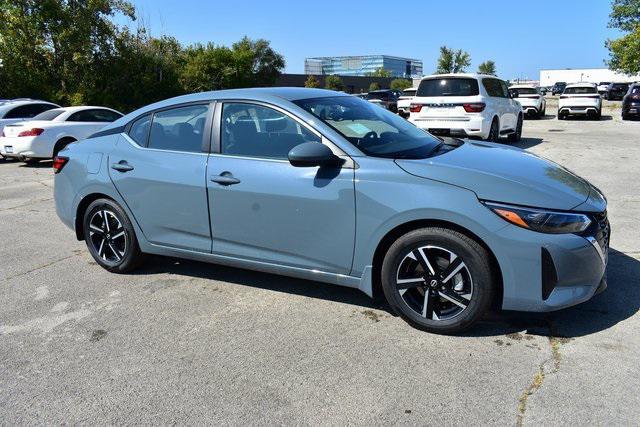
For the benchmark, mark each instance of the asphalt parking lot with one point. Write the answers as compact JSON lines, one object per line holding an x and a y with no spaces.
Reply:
{"x":185,"y":342}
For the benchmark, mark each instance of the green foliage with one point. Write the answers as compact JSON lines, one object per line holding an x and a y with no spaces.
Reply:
{"x":380,"y":72}
{"x":624,"y":53}
{"x":452,"y":61}
{"x":487,"y":67}
{"x":71,"y":52}
{"x":374,"y":86}
{"x":625,"y":15}
{"x":333,"y":82}
{"x":400,"y":84}
{"x":312,"y":82}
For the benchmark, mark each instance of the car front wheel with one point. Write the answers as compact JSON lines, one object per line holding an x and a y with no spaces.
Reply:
{"x":110,"y":236}
{"x":438,"y":280}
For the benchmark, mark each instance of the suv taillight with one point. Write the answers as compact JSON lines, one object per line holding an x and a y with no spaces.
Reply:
{"x":31,"y":132}
{"x":58,"y":163}
{"x":476,"y":107}
{"x":415,"y":108}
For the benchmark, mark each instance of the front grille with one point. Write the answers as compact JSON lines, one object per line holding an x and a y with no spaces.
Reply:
{"x":601,"y":230}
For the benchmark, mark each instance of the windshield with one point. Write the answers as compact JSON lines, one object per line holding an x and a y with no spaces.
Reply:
{"x":379,"y":95}
{"x":579,"y":90}
{"x":375,"y":131}
{"x":49,"y":114}
{"x":524,"y":90}
{"x":409,"y":92}
{"x":620,"y":86}
{"x":448,"y":86}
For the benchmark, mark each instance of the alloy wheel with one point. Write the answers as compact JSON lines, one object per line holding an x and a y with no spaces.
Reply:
{"x":108,"y":236}
{"x":434,"y":283}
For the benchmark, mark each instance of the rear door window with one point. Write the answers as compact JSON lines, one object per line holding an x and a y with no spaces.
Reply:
{"x":179,"y":129}
{"x":96,"y":115}
{"x":28,"y":111}
{"x":448,"y":86}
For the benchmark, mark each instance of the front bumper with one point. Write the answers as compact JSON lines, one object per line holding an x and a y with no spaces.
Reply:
{"x":463,"y":126}
{"x":548,"y":272}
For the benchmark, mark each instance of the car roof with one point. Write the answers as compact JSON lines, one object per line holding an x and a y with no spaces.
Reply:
{"x":581,"y":84}
{"x":17,"y":103}
{"x":274,"y":95}
{"x":467,"y":75}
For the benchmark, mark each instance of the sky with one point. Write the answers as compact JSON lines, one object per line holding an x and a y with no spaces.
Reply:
{"x":521,"y":36}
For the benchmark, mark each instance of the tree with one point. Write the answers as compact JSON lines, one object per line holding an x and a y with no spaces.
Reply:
{"x":487,"y":67}
{"x":451,"y":61}
{"x":380,"y":72}
{"x":400,"y":84}
{"x":207,"y":67}
{"x":255,"y":63}
{"x":333,"y":82}
{"x":374,"y":86}
{"x":624,"y":53}
{"x":312,"y":82}
{"x":49,"y":47}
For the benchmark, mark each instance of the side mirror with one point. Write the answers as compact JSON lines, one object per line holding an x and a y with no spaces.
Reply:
{"x":312,"y":154}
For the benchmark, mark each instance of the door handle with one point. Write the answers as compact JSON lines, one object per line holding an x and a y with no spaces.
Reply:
{"x":122,"y":166}
{"x":225,"y":178}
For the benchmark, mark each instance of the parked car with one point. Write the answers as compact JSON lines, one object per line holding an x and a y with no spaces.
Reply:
{"x":404,"y":101}
{"x":467,"y":105}
{"x":558,"y":88}
{"x":49,"y":132}
{"x":269,"y":179}
{"x":616,"y":91}
{"x":603,"y":87}
{"x":631,"y":102}
{"x":385,"y":98}
{"x":14,"y":111}
{"x":532,"y":101}
{"x":580,"y":99}
{"x":362,"y":95}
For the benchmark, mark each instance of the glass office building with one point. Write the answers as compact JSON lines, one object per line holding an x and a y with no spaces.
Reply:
{"x":363,"y":65}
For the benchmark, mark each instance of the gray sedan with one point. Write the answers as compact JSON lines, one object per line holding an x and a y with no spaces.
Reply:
{"x":325,"y":186}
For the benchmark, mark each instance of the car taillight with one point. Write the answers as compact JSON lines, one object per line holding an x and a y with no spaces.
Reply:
{"x":415,"y":108}
{"x":31,"y":132}
{"x":476,"y":107}
{"x":58,"y":163}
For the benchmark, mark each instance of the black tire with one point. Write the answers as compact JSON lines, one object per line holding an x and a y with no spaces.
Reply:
{"x":494,"y":131}
{"x":625,"y":117}
{"x":61,"y":144}
{"x":477,"y":272}
{"x":517,"y":135}
{"x":598,"y":115}
{"x":561,"y":116}
{"x":106,"y":246}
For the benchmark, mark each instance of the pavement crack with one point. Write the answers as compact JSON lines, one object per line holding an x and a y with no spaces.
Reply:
{"x":548,"y":367}
{"x":30,"y":202}
{"x":49,"y":264}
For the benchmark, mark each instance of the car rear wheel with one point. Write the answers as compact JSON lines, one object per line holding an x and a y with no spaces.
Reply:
{"x":494,"y":131}
{"x":110,"y":237}
{"x":438,"y":280}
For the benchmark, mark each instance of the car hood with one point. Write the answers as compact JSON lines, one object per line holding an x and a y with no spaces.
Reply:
{"x":510,"y":175}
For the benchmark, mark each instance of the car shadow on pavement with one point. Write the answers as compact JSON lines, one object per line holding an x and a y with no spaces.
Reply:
{"x":267,"y":281}
{"x":618,"y":302}
{"x":525,"y":143}
{"x":37,"y":165}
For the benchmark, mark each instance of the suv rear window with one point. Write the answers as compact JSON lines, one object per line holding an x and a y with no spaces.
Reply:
{"x":579,"y":90}
{"x":524,"y":90}
{"x":448,"y":86}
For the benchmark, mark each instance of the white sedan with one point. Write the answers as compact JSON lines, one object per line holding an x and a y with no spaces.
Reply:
{"x":19,"y":110}
{"x":47,"y":133}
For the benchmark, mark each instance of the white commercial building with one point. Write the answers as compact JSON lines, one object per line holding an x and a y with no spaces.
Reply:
{"x":591,"y":75}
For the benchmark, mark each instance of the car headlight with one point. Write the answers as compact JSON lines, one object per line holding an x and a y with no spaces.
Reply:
{"x":541,"y":220}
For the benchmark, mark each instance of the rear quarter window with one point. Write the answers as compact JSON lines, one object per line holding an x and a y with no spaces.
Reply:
{"x":448,"y":86}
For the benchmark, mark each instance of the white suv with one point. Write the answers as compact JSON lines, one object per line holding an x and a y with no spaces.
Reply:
{"x":532,"y":101}
{"x":580,"y":99}
{"x":466,"y":105}
{"x":404,"y":102}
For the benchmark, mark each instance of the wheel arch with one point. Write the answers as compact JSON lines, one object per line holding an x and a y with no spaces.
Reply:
{"x":391,"y":236}
{"x":62,"y":142}
{"x":82,"y":208}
